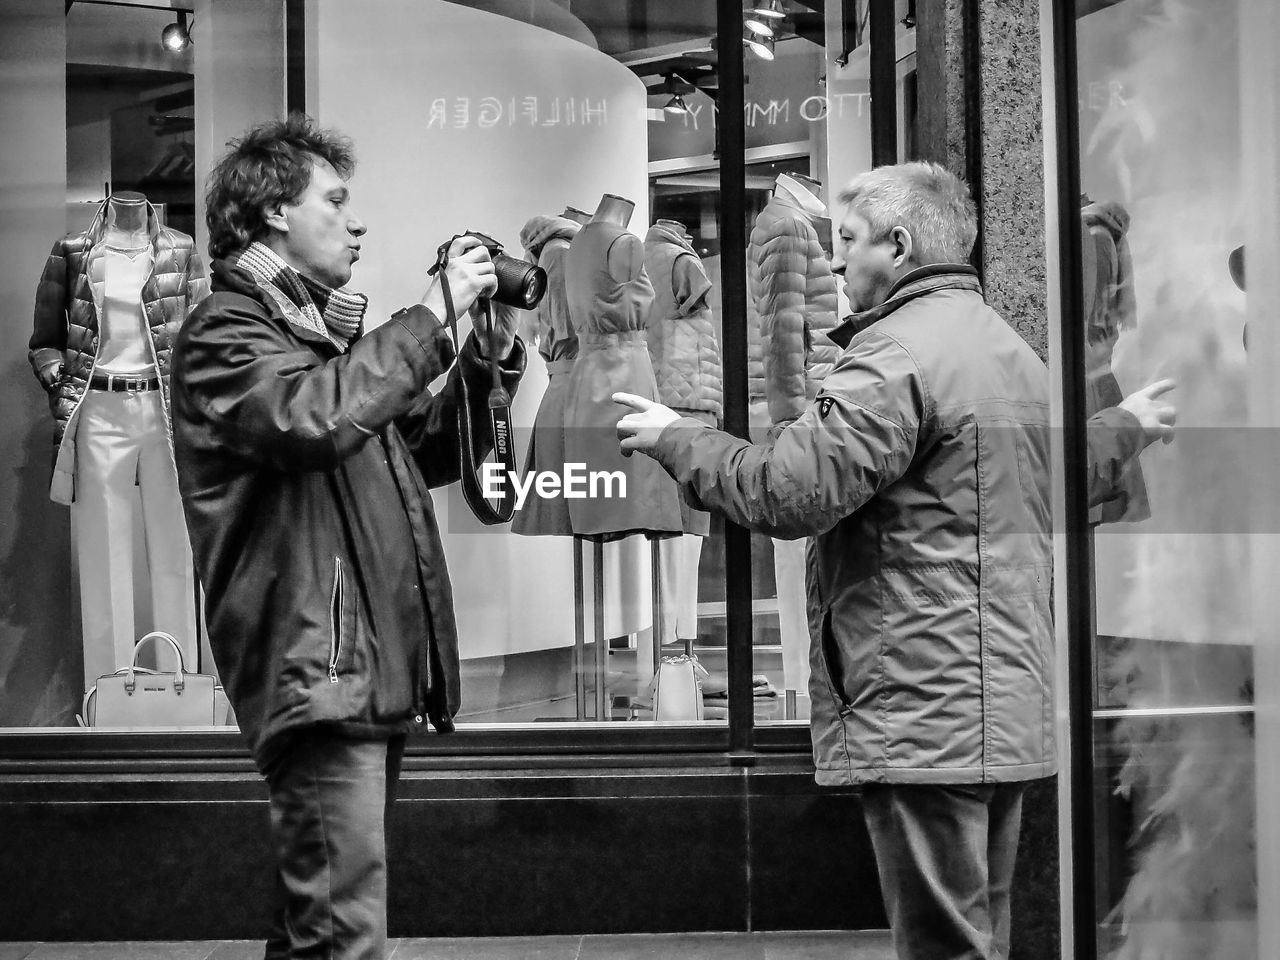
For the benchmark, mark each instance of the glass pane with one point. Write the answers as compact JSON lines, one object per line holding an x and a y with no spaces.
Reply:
{"x":808,"y":132}
{"x":114,"y":101}
{"x":548,"y":129}
{"x":545,"y":129}
{"x":1162,"y":221}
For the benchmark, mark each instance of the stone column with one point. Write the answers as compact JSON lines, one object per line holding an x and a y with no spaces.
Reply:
{"x":981,"y":115}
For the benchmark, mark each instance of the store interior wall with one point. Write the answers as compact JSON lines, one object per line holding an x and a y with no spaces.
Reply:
{"x":39,"y":655}
{"x":239,"y":76}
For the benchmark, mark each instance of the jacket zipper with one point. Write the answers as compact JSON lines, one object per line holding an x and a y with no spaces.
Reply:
{"x":335,"y":620}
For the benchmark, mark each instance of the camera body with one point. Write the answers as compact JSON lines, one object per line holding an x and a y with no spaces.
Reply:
{"x":520,"y":283}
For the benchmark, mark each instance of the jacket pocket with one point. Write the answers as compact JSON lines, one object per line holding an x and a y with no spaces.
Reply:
{"x":337,"y":601}
{"x":829,"y":653}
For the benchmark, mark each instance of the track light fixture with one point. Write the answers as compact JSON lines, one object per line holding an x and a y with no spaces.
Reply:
{"x":676,"y":106}
{"x":759,"y":27}
{"x":770,"y":11}
{"x":762,"y":47}
{"x":176,"y":37}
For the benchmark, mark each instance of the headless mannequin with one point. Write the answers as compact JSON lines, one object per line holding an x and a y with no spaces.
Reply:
{"x":107,"y":603}
{"x":626,"y":256}
{"x":789,"y":555}
{"x":127,"y":221}
{"x":679,"y":559}
{"x":625,"y":558}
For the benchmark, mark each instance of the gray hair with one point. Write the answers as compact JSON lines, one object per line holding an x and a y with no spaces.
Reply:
{"x":926,"y":199}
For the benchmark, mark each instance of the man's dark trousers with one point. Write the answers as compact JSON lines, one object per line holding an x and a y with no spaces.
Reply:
{"x":946,"y":855}
{"x":331,"y":797}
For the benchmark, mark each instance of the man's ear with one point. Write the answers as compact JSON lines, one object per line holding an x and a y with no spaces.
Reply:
{"x":274,"y":218}
{"x":903,"y":245}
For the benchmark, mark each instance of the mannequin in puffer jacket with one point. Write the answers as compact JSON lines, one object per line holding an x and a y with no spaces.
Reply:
{"x":792,"y":295}
{"x":108,"y":308}
{"x":686,"y":364}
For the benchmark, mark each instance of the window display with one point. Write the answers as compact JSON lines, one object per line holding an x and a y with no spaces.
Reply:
{"x":108,"y":308}
{"x":605,"y":578}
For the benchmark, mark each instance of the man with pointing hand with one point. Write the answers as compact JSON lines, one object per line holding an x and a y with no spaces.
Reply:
{"x":921,"y":470}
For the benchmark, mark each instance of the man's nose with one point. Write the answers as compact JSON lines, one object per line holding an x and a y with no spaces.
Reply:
{"x":356,"y":227}
{"x":837,"y":266}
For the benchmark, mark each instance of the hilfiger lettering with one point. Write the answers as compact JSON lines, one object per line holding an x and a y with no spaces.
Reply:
{"x":335,"y":620}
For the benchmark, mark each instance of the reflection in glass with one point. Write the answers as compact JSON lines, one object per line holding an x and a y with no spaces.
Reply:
{"x":1159,"y":102}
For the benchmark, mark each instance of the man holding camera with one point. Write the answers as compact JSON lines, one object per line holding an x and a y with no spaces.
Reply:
{"x":305,"y":450}
{"x":921,"y":469}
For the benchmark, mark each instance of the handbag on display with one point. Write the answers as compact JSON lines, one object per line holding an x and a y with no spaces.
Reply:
{"x":677,"y":691}
{"x":137,"y":697}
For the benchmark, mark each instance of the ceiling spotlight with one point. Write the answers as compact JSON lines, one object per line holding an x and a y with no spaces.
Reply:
{"x":772,"y":10}
{"x":761,"y":47}
{"x":176,"y":37}
{"x":676,"y":106}
{"x":759,"y":27}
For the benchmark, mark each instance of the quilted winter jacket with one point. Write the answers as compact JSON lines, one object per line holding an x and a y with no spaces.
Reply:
{"x":298,"y":465}
{"x":680,"y":330}
{"x":792,"y":295}
{"x":922,"y":471}
{"x":68,"y":304}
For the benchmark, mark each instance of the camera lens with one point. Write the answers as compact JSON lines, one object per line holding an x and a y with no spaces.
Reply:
{"x":535,"y":285}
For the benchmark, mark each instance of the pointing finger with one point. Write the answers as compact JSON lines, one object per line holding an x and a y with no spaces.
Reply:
{"x":639,"y":404}
{"x":1158,"y":387}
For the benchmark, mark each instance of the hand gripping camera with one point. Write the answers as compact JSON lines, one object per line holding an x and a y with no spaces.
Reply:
{"x":520,"y":283}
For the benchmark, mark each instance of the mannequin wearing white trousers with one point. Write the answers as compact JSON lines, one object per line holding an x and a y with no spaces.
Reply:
{"x":123,"y":456}
{"x":121,"y":439}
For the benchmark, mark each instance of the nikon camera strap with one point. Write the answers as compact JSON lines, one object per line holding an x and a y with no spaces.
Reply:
{"x":499,"y":425}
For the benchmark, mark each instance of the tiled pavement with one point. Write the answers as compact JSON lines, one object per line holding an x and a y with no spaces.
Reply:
{"x":698,"y":946}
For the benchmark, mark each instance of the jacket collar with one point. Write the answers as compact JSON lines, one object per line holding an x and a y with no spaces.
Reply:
{"x":235,"y":279}
{"x":918,"y":283}
{"x":661,"y":233}
{"x":795,"y":194}
{"x":785,"y":204}
{"x":98,"y":226}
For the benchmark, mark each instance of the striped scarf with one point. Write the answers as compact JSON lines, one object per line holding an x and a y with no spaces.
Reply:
{"x":334,"y":313}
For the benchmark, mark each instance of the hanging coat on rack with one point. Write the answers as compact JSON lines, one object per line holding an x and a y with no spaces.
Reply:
{"x":609,"y":316}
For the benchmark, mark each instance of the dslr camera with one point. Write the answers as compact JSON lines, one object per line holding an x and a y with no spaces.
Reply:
{"x":520,"y":283}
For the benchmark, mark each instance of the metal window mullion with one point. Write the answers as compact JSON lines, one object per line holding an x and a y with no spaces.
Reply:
{"x":731,"y":143}
{"x":1079,"y":540}
{"x":884,"y":83}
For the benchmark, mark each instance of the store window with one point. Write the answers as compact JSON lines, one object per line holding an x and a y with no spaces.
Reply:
{"x":604,"y":600}
{"x":120,"y":108}
{"x":525,"y":121}
{"x":1179,"y":529}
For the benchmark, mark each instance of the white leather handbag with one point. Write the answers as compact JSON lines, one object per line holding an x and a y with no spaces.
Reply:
{"x":136,"y":698}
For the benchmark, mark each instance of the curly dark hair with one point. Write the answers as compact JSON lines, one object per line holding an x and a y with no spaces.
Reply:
{"x":269,"y":165}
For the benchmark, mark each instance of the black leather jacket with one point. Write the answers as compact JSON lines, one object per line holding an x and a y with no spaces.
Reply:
{"x":286,"y":451}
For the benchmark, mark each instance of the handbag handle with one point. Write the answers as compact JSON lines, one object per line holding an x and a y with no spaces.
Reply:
{"x":179,"y":678}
